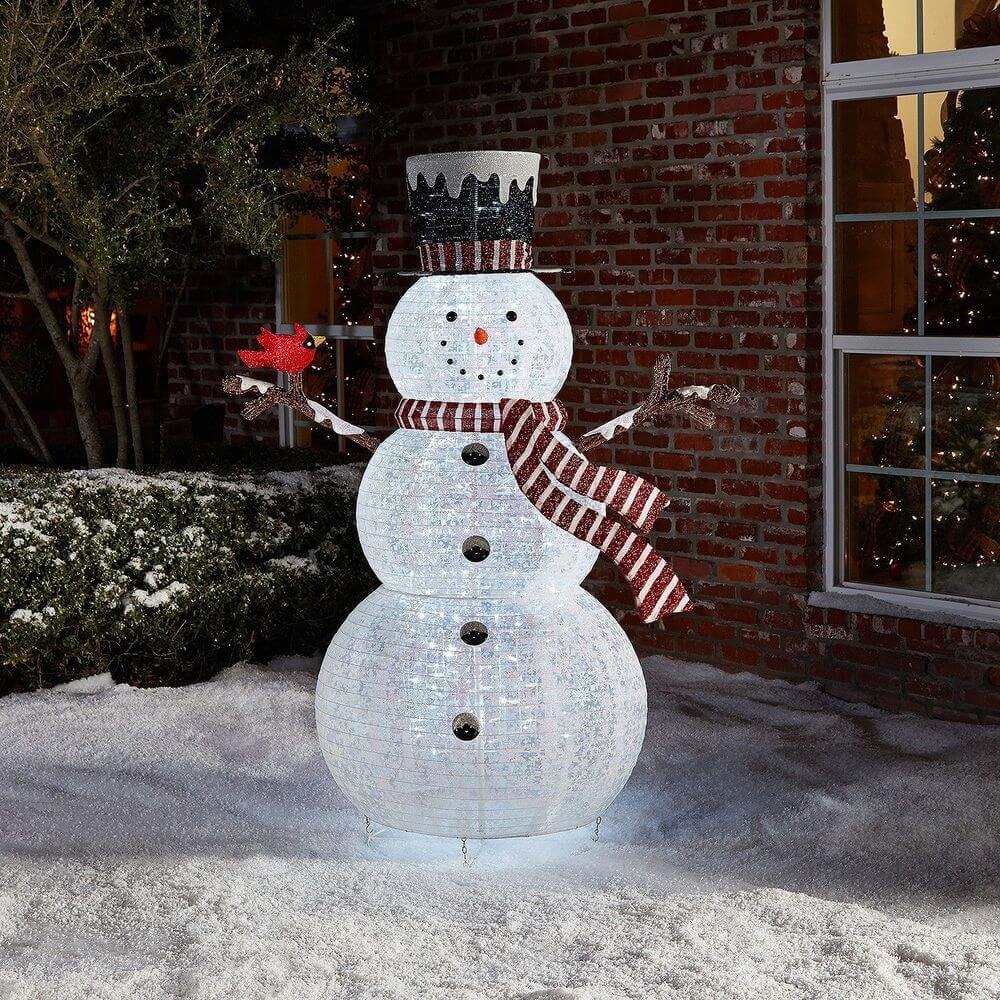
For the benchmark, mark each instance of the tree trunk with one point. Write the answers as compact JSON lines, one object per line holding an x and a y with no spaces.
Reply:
{"x":119,"y":407}
{"x":39,"y":448}
{"x":79,"y":374}
{"x":21,"y":438}
{"x":82,"y":389}
{"x":131,"y":392}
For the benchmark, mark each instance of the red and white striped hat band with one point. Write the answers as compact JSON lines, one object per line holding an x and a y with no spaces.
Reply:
{"x":472,"y":256}
{"x":551,"y":476}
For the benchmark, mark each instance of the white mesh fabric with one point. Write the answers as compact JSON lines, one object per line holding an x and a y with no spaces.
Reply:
{"x":532,"y":351}
{"x":556,"y":688}
{"x":419,"y":501}
{"x":549,"y":693}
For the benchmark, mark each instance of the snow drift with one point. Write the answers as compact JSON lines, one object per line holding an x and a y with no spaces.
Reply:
{"x":772,"y":843}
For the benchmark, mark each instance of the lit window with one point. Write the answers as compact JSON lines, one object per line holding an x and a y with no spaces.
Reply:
{"x":878,"y":29}
{"x":324,"y":282}
{"x":913,"y":301}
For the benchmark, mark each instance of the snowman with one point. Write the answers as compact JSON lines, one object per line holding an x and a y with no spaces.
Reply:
{"x":480,"y":692}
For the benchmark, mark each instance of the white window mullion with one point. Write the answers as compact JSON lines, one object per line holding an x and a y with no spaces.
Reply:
{"x":930,"y":71}
{"x":984,"y":347}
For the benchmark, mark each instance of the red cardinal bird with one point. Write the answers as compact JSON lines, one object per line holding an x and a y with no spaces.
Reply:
{"x":290,"y":353}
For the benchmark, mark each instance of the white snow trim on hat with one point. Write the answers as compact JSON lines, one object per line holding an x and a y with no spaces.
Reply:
{"x":482,"y":163}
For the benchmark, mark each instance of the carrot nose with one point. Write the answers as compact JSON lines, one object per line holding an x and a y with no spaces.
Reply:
{"x":481,"y":336}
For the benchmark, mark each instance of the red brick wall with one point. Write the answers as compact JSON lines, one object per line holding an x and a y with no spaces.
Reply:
{"x":221,"y":312}
{"x":682,"y":186}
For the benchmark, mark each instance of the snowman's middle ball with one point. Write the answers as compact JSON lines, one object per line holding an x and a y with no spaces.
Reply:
{"x":479,"y":338}
{"x":433,"y":523}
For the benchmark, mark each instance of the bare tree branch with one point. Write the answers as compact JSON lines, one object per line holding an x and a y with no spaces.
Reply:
{"x":46,"y":238}
{"x":40,"y":449}
{"x":168,"y":328}
{"x":39,"y":298}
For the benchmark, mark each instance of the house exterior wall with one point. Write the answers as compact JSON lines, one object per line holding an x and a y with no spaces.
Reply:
{"x":221,"y":312}
{"x":681,"y":187}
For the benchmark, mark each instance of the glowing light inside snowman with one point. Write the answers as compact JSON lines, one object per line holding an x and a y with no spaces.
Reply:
{"x":480,"y":692}
{"x":479,"y":338}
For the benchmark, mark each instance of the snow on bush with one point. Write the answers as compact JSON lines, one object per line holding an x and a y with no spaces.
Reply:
{"x":164,"y":579}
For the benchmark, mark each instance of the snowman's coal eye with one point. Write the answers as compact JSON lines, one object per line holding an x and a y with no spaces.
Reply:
{"x":451,"y":317}
{"x":521,"y":343}
{"x":451,"y":361}
{"x":444,"y":343}
{"x":512,"y":315}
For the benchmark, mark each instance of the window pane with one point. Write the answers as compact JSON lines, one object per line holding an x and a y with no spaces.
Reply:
{"x":966,"y":539}
{"x":327,"y":281}
{"x":360,"y":372}
{"x":304,"y":225}
{"x":885,"y":410}
{"x":876,"y":278}
{"x":952,"y":24}
{"x":868,"y":29}
{"x":342,"y":378}
{"x":962,"y":150}
{"x":884,"y":526}
{"x":966,"y":408}
{"x":305,"y":289}
{"x":876,"y":154}
{"x":962,"y":289}
{"x":351,"y":264}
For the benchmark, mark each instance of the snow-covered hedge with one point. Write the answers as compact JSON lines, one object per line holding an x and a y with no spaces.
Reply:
{"x":164,"y":579}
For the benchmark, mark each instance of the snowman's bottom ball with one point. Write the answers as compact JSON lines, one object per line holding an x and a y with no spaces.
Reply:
{"x":531,"y":728}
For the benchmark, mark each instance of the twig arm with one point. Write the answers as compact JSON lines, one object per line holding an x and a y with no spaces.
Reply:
{"x":697,"y":402}
{"x":267,"y":394}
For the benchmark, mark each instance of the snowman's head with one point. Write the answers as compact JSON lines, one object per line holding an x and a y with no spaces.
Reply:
{"x":479,"y":338}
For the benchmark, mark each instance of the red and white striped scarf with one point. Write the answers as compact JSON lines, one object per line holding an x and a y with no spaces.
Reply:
{"x":473,"y":256}
{"x":543,"y":465}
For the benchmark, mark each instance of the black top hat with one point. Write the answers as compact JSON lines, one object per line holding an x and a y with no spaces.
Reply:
{"x":473,"y":211}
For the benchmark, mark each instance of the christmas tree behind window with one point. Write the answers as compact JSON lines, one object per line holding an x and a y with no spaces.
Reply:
{"x":962,"y":299}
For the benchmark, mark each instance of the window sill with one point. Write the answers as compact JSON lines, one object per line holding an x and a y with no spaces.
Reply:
{"x":926,"y":609}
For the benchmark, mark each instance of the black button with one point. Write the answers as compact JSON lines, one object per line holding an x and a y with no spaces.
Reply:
{"x":475,"y":548}
{"x":475,"y":454}
{"x":473,"y":633}
{"x":465,"y":726}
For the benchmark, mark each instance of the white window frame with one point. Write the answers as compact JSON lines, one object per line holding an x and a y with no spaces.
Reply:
{"x":886,"y":77}
{"x":336,"y":333}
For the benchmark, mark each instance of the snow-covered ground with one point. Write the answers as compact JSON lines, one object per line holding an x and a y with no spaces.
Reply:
{"x":772,"y":844}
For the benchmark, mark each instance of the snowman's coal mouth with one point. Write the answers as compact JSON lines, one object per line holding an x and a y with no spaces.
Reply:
{"x":480,"y":376}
